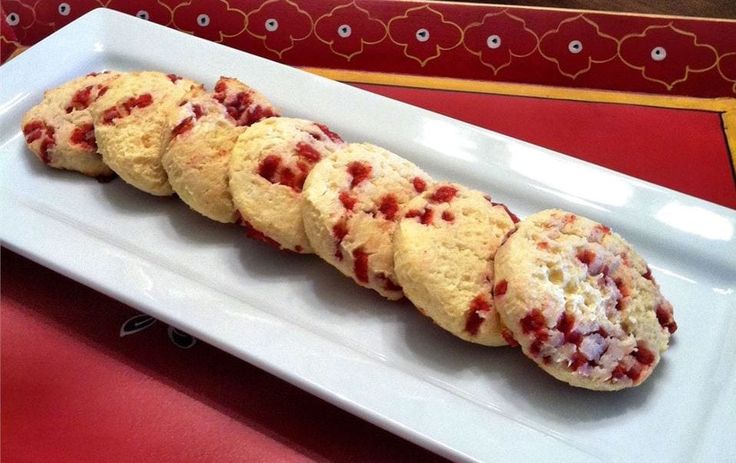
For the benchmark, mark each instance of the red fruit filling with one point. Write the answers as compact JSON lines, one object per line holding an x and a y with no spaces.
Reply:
{"x":534,"y":321}
{"x":294,"y":180}
{"x":329,"y":133}
{"x":240,"y":106}
{"x":389,"y":206}
{"x":642,"y":358}
{"x":184,"y":126}
{"x":140,"y":101}
{"x":360,"y":265}
{"x":448,"y":216}
{"x":257,"y":235}
{"x":578,"y":360}
{"x":623,"y":291}
{"x":619,"y":372}
{"x":425,"y":216}
{"x":644,"y":355}
{"x":565,"y":322}
{"x":586,"y":256}
{"x":268,"y":167}
{"x":565,"y":325}
{"x":81,"y":99}
{"x":419,"y":184}
{"x":443,"y":194}
{"x":511,"y":215}
{"x":536,"y":347}
{"x":110,"y":115}
{"x":475,"y":315}
{"x":348,"y":200}
{"x":173,"y":77}
{"x":117,"y":112}
{"x":543,"y":245}
{"x":360,"y":171}
{"x":257,"y":113}
{"x":273,"y":169}
{"x":634,"y":371}
{"x":501,"y":288}
{"x":35,"y":130}
{"x":307,"y":152}
{"x":390,"y":285}
{"x":648,"y":274}
{"x":220,"y":87}
{"x":665,"y":318}
{"x":339,"y":231}
{"x":508,"y":337}
{"x":603,"y":229}
{"x":197,"y":110}
{"x":84,"y":136}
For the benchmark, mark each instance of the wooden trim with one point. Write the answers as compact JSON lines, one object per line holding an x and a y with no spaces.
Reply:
{"x":720,"y":105}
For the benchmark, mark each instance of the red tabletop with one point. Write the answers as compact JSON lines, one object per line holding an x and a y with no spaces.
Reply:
{"x":74,"y":390}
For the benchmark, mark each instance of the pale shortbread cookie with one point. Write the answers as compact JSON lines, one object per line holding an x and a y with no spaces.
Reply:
{"x":268,"y":167}
{"x":443,"y":257}
{"x":351,"y":205}
{"x":59,"y":130}
{"x":203,"y":132}
{"x":131,"y":126}
{"x":244,"y":104}
{"x":581,"y":302}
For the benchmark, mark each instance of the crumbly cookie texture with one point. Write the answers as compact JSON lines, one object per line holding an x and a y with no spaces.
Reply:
{"x":131,"y":126}
{"x":581,"y":302}
{"x":60,"y":131}
{"x":443,"y":256}
{"x":351,"y":205}
{"x":268,"y":168}
{"x":203,"y":130}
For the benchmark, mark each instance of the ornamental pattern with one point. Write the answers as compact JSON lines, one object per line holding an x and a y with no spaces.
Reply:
{"x":679,"y":56}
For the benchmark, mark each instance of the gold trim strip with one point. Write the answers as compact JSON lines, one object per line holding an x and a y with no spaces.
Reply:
{"x":729,"y":129}
{"x":576,"y":10}
{"x":720,"y":105}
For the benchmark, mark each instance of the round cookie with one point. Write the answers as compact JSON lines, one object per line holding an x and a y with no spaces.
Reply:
{"x":268,"y":167}
{"x":444,"y":248}
{"x":131,"y":126}
{"x":581,"y":302}
{"x":203,"y":132}
{"x":244,"y":104}
{"x":351,"y":204}
{"x":59,"y":130}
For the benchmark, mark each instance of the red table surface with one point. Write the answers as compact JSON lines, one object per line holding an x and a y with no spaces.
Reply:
{"x":74,"y":390}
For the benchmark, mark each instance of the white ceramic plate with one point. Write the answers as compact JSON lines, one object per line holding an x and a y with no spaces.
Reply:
{"x":299,"y":319}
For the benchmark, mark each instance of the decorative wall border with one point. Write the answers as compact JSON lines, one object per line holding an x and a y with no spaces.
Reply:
{"x":583,"y":49}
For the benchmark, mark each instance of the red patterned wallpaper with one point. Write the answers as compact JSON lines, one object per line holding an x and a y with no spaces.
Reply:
{"x":679,"y":56}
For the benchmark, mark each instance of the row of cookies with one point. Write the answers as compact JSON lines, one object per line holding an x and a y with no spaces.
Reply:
{"x":574,"y":295}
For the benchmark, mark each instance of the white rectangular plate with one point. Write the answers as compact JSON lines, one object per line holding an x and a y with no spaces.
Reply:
{"x":299,"y":319}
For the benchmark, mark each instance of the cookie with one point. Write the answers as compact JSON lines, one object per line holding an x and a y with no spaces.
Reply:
{"x":581,"y":302}
{"x":204,"y":128}
{"x":59,"y":130}
{"x":351,"y":206}
{"x":444,"y":248}
{"x":244,"y":104}
{"x":131,"y":126}
{"x":268,"y":167}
